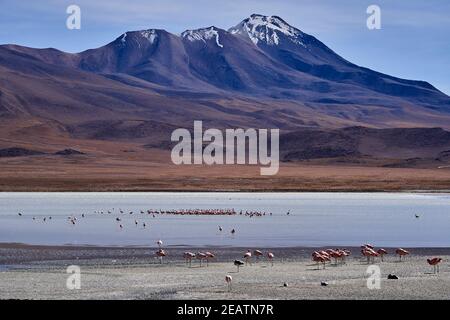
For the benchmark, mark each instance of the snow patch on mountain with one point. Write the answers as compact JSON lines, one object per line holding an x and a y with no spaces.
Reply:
{"x":124,"y":38}
{"x":203,"y":35}
{"x":150,"y":35}
{"x":267,"y":29}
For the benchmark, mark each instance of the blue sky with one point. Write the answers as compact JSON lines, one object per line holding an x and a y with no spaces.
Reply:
{"x":414,"y":41}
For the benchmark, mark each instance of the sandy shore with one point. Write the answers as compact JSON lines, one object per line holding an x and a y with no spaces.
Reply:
{"x":33,"y":272}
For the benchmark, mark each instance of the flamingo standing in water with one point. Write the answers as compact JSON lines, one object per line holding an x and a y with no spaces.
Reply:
{"x":270,"y":256}
{"x":257,"y":254}
{"x":228,"y":280}
{"x":160,"y":254}
{"x":248,"y":257}
{"x":435,"y":263}
{"x":401,"y":252}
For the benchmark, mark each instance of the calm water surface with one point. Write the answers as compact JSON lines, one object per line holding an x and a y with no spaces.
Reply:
{"x":316,"y":219}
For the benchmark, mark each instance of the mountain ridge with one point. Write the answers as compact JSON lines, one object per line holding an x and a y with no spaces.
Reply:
{"x":260,"y":72}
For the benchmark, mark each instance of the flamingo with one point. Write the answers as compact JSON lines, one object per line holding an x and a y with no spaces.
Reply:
{"x":346,"y":254}
{"x":238,"y":263}
{"x":270,"y":256}
{"x":188,"y":256}
{"x":247,"y":257}
{"x":200,"y":256}
{"x":317,"y":257}
{"x":382,"y":252}
{"x":228,"y":280}
{"x":209,"y":256}
{"x":337,"y":255}
{"x":160,"y":254}
{"x":257,"y":254}
{"x":369,"y":253}
{"x":435,"y":263}
{"x":401,"y":252}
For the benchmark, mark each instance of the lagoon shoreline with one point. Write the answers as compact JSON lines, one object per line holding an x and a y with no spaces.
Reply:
{"x":39,"y":272}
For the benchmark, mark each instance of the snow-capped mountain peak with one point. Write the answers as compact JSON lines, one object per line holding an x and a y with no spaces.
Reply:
{"x":204,"y":34}
{"x":150,"y":35}
{"x":267,"y":29}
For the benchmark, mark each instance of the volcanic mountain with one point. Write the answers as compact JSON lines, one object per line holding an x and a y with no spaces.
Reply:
{"x":261,"y":73}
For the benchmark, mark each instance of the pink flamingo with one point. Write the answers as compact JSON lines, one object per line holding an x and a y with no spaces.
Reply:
{"x":435,"y":263}
{"x":248,"y":257}
{"x":401,"y":252}
{"x":270,"y":256}
{"x":338,"y":255}
{"x":209,"y":256}
{"x":257,"y":254}
{"x":200,"y":256}
{"x":382,"y":252}
{"x":369,"y":253}
{"x":319,"y":258}
{"x":188,"y":256}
